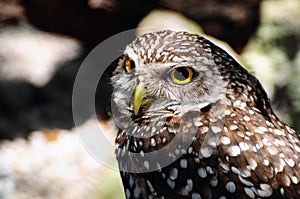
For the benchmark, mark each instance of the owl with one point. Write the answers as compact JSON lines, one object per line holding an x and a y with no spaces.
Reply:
{"x":191,"y":122}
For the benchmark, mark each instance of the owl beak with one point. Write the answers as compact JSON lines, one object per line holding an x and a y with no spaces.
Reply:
{"x":140,"y":99}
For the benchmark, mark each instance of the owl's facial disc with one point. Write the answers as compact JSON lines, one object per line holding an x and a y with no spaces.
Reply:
{"x":160,"y":85}
{"x":154,"y":76}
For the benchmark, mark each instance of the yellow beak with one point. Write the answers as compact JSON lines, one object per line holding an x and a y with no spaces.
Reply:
{"x":140,"y":99}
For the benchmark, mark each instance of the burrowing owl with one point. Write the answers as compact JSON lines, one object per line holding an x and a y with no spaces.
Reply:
{"x":193,"y":123}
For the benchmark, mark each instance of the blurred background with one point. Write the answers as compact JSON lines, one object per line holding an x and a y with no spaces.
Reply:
{"x":42,"y":44}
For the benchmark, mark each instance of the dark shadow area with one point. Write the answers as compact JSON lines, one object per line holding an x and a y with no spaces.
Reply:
{"x":231,"y":21}
{"x":25,"y":108}
{"x":77,"y":19}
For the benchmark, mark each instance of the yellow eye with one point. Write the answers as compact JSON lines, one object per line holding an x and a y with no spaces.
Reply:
{"x":181,"y":75}
{"x":129,"y":64}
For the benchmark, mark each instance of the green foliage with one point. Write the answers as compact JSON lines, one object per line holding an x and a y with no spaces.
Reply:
{"x":110,"y":185}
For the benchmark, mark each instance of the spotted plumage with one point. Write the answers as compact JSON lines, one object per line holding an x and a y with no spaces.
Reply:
{"x":193,"y":123}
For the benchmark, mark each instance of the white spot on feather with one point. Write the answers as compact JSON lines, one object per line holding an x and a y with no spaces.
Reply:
{"x":246,"y":182}
{"x":249,"y":192}
{"x":216,"y":129}
{"x":196,"y":196}
{"x":233,"y":127}
{"x":202,"y":172}
{"x":153,"y":142}
{"x":206,"y":151}
{"x":265,"y":191}
{"x":173,"y":173}
{"x":214,"y":182}
{"x":171,"y":183}
{"x":189,"y":186}
{"x":244,"y":146}
{"x":234,"y":151}
{"x":290,"y":162}
{"x":183,"y":163}
{"x":295,"y":180}
{"x":230,"y":187}
{"x":225,"y":140}
{"x":127,"y":193}
{"x":246,"y":118}
{"x":146,"y":164}
{"x":131,"y":181}
{"x":281,"y":191}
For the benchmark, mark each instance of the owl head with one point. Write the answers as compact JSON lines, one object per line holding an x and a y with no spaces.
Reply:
{"x":165,"y":68}
{"x":170,"y":72}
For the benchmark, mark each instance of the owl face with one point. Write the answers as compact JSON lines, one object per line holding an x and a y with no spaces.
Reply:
{"x":166,"y":68}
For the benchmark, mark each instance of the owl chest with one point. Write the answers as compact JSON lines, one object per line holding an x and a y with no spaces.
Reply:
{"x":187,"y":177}
{"x":194,"y":158}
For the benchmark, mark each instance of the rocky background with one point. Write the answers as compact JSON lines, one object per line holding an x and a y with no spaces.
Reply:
{"x":42,"y":44}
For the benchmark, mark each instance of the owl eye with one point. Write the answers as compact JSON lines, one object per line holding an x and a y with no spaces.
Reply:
{"x":129,"y":64}
{"x":182,"y":75}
